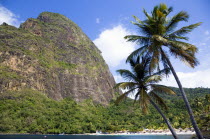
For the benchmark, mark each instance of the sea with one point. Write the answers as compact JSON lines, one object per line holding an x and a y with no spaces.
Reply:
{"x":92,"y":137}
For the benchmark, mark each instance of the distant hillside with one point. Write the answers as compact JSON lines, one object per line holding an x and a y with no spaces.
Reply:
{"x":33,"y":112}
{"x":52,"y":55}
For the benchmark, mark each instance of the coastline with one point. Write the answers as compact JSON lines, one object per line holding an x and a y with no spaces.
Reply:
{"x":115,"y":134}
{"x":147,"y":132}
{"x":133,"y":134}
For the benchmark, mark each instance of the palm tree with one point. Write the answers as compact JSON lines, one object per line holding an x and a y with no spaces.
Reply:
{"x":141,"y":82}
{"x":159,"y":37}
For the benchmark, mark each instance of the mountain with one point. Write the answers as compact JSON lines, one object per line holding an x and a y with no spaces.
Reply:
{"x":52,"y":55}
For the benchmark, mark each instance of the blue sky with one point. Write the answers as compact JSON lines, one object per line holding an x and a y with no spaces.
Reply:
{"x":106,"y":22}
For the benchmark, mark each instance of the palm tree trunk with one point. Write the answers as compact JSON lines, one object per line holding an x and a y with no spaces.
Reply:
{"x":165,"y":119}
{"x":189,"y":109}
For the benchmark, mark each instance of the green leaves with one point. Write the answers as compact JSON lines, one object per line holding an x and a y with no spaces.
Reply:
{"x":158,"y":31}
{"x":162,"y":89}
{"x":44,"y":115}
{"x":138,"y":52}
{"x":126,"y":85}
{"x":172,"y":23}
{"x":185,"y":52}
{"x":158,"y":100}
{"x":127,"y":75}
{"x":139,"y":39}
{"x":152,"y":79}
{"x":183,"y":31}
{"x":141,"y":80}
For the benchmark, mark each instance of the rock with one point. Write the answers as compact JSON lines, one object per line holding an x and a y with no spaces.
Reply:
{"x":51,"y":54}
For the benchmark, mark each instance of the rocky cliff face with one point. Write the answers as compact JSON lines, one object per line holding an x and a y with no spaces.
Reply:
{"x":52,"y":54}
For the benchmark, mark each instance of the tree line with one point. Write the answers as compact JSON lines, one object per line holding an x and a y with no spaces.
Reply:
{"x":33,"y":112}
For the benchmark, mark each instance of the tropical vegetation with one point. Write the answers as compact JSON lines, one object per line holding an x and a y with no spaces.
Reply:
{"x":159,"y":38}
{"x":143,"y":85}
{"x":33,"y":112}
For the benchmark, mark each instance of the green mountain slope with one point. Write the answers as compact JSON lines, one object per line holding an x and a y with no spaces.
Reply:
{"x":33,"y":112}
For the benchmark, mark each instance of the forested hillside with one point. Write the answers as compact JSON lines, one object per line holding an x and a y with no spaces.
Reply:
{"x":33,"y":112}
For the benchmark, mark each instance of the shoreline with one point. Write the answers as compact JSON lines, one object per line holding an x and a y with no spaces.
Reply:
{"x":133,"y":134}
{"x":109,"y":134}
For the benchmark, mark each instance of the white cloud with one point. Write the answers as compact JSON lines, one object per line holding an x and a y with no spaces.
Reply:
{"x":97,"y":20}
{"x":206,"y":32}
{"x":8,"y":17}
{"x":190,"y":80}
{"x":118,"y":78}
{"x":114,"y":47}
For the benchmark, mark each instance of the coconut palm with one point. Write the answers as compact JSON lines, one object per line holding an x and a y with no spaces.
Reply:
{"x":144,"y":84}
{"x":159,"y":39}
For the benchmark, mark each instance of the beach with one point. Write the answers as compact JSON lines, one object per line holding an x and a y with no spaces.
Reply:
{"x":147,"y":132}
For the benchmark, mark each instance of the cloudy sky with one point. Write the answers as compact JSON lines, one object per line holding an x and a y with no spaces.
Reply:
{"x":106,"y":22}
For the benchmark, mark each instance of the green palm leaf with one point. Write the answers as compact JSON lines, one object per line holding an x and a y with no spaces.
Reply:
{"x":144,"y":101}
{"x":139,"y":52}
{"x":152,"y":79}
{"x":185,"y":56}
{"x":126,"y":85}
{"x":124,"y":96}
{"x":158,"y":100}
{"x":184,"y":30}
{"x":165,"y":71}
{"x":162,"y":89}
{"x":181,"y":16}
{"x":127,"y":75}
{"x":139,"y":39}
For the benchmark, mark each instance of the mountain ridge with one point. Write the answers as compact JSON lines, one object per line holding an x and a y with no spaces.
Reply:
{"x":51,"y":54}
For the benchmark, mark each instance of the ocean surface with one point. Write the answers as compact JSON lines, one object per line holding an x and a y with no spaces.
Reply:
{"x":92,"y":137}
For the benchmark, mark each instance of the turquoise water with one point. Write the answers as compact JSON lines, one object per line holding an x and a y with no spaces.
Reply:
{"x":91,"y":137}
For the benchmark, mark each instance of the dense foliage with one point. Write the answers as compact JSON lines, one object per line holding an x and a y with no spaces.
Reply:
{"x":33,"y":112}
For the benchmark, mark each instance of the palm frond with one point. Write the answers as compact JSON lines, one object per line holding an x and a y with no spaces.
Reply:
{"x":144,"y":101}
{"x":152,"y":79}
{"x":181,"y":16}
{"x":147,"y":15}
{"x":154,"y":63}
{"x":186,"y":56}
{"x":184,"y":46}
{"x":158,"y":100}
{"x":169,"y":10}
{"x":137,"y":95}
{"x":174,"y":37}
{"x":139,"y":39}
{"x":139,"y":52}
{"x":162,"y":89}
{"x":123,"y":96}
{"x":183,"y":31}
{"x":163,"y":7}
{"x":127,"y":75}
{"x":137,"y":24}
{"x":138,"y":20}
{"x":126,"y":85}
{"x":163,"y":72}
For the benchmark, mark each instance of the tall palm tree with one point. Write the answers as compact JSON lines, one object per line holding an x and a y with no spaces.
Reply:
{"x":144,"y":84}
{"x":159,"y":38}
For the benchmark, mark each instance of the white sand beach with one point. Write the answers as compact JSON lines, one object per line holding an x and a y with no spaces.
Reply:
{"x":147,"y":132}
